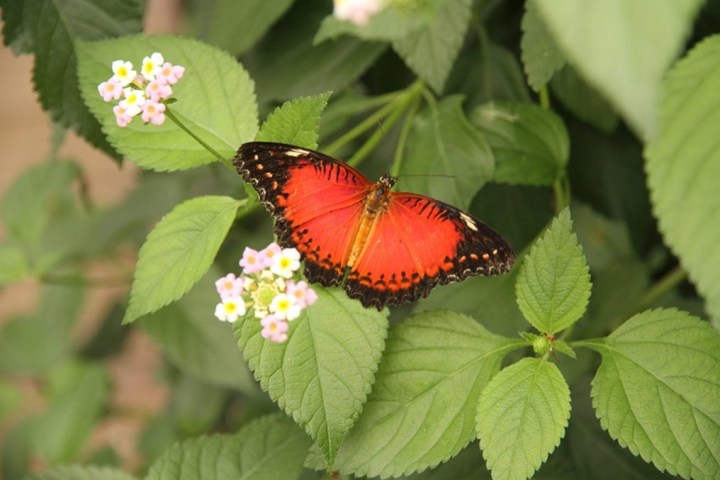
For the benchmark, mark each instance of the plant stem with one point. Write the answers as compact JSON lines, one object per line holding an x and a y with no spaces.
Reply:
{"x":171,"y":115}
{"x":402,"y":140}
{"x":398,"y":103}
{"x":671,"y":280}
{"x":561,"y":187}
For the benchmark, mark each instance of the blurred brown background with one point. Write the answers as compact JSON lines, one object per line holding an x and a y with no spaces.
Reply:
{"x":25,"y":141}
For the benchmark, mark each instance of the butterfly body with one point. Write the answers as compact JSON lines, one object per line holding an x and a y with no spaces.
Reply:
{"x":388,"y":247}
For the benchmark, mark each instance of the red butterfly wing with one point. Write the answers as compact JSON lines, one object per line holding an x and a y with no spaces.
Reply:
{"x":317,"y":202}
{"x":397,"y":246}
{"x":418,"y":243}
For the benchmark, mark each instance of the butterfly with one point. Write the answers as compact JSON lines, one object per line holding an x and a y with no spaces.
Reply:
{"x":384,"y":247}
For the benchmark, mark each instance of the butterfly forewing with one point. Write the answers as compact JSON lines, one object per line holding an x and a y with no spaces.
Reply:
{"x":317,"y":203}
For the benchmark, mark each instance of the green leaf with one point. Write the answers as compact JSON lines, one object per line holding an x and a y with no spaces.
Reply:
{"x":583,"y":100}
{"x":597,"y":455}
{"x":13,"y":263}
{"x":286,"y":63}
{"x":15,"y":32}
{"x":683,"y":165}
{"x":196,"y":406}
{"x":216,"y":21}
{"x":553,"y":286}
{"x":322,"y":375}
{"x":32,"y":345}
{"x":444,"y":142}
{"x":178,"y":251}
{"x":270,"y":447}
{"x":591,"y":37}
{"x":521,"y":417}
{"x":81,"y":472}
{"x":530,"y":143}
{"x":215,"y":100}
{"x":295,"y":122}
{"x":656,"y":391}
{"x":491,"y":300}
{"x":11,"y":397}
{"x":396,"y":20}
{"x":431,"y":51}
{"x":198,"y":343}
{"x":56,"y":28}
{"x":540,"y":56}
{"x":422,"y":407}
{"x":80,"y":392}
{"x":40,"y":194}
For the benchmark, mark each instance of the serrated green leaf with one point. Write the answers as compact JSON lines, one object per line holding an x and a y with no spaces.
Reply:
{"x":323,"y":373}
{"x":56,"y":27}
{"x":79,"y":397}
{"x":597,"y":455}
{"x":683,"y":166}
{"x":553,"y":286}
{"x":431,"y":51}
{"x":215,"y":100}
{"x":591,"y":35}
{"x":269,"y":448}
{"x":178,"y":252}
{"x":81,"y":472}
{"x":656,"y":391}
{"x":493,"y":74}
{"x":272,"y":447}
{"x":286,"y":63}
{"x":296,"y":122}
{"x":422,"y":407}
{"x":196,"y":342}
{"x":521,"y":417}
{"x":443,"y":142}
{"x":583,"y":100}
{"x":216,"y":21}
{"x":14,"y":30}
{"x":530,"y":143}
{"x":541,"y":57}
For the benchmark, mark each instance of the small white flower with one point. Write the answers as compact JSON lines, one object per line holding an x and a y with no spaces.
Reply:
{"x":152,"y":65}
{"x":133,"y":101}
{"x":286,"y":263}
{"x":123,"y":72}
{"x":230,"y":309}
{"x":285,"y":308}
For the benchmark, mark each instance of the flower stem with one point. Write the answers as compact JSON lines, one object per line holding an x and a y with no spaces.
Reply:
{"x":171,"y":115}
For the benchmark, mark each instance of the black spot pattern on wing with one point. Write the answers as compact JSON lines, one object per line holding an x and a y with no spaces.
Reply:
{"x":479,"y":251}
{"x":267,"y":166}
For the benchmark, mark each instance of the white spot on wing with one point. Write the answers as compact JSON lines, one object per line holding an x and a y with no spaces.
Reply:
{"x":296,"y":152}
{"x":469,"y":222}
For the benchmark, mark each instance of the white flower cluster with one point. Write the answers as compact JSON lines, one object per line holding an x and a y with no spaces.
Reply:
{"x":268,"y":287}
{"x":141,"y":94}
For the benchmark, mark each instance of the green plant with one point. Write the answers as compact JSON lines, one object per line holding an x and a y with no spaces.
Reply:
{"x":589,"y":332}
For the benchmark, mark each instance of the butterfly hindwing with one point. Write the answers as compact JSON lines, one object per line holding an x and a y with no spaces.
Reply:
{"x":420,"y":242}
